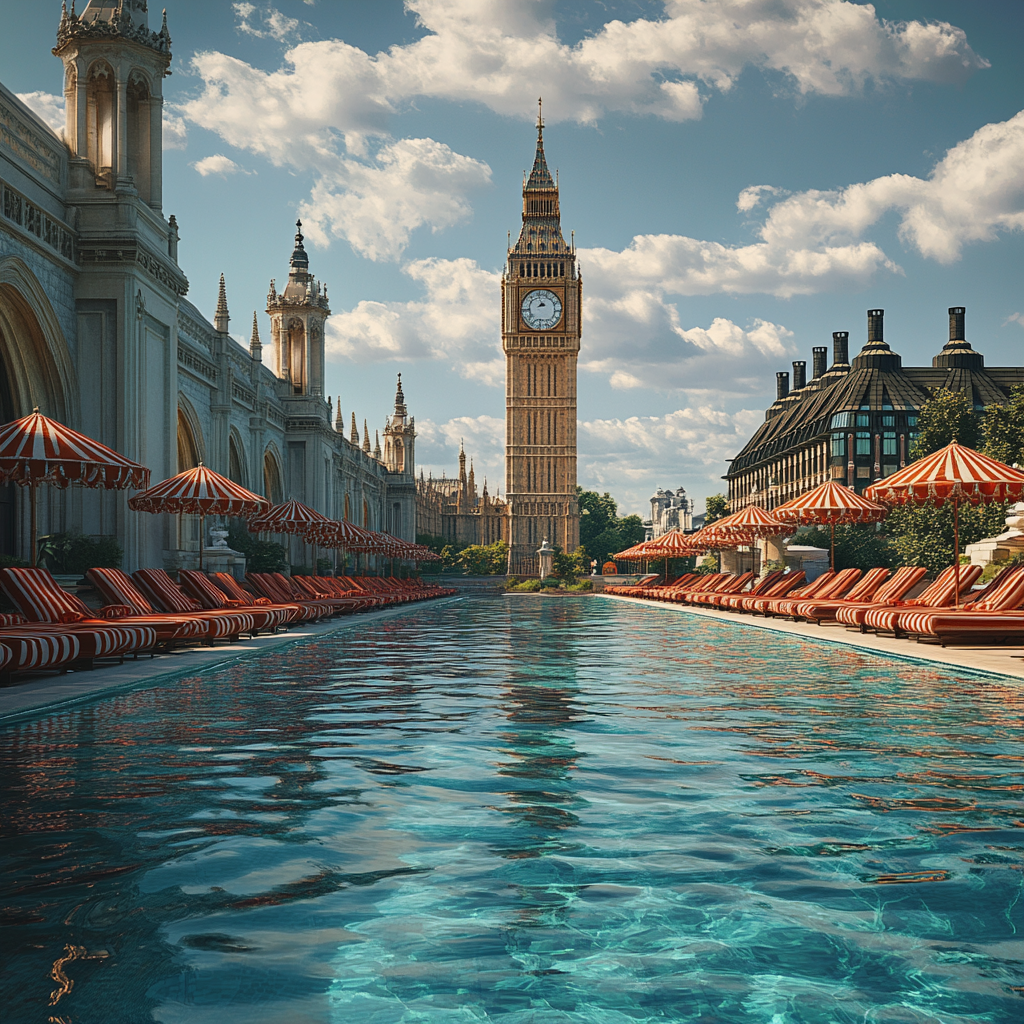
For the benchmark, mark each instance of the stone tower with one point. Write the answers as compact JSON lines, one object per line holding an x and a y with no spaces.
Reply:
{"x":297,"y":319}
{"x":399,"y":457}
{"x":541,"y":296}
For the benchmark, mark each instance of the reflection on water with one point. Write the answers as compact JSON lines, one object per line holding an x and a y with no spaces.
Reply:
{"x":522,"y":811}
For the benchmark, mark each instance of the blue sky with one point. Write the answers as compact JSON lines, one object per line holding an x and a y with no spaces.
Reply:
{"x":743,"y":176}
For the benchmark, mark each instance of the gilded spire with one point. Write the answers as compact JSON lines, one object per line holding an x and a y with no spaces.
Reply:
{"x":221,"y":317}
{"x":540,"y":179}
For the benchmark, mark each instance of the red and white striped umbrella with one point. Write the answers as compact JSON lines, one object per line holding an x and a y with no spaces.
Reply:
{"x":199,"y":492}
{"x":953,"y":473}
{"x":341,"y":534}
{"x":711,"y":538}
{"x":36,"y":450}
{"x":828,"y":504}
{"x":753,"y":521}
{"x":669,"y":545}
{"x":289,"y":517}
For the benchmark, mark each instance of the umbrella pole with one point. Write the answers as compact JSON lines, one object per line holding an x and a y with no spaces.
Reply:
{"x":202,"y":534}
{"x":956,"y":553}
{"x":35,"y":527}
{"x":833,"y":564}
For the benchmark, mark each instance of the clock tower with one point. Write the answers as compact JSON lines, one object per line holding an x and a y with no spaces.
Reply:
{"x":541,"y":296}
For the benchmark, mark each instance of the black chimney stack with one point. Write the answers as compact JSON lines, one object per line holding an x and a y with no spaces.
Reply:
{"x":876,"y":331}
{"x":820,"y":361}
{"x":781,"y":385}
{"x":956,"y":323}
{"x":799,"y":374}
{"x":840,"y":348}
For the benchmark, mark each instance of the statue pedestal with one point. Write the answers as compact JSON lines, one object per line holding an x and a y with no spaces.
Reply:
{"x":1003,"y":547}
{"x":215,"y":559}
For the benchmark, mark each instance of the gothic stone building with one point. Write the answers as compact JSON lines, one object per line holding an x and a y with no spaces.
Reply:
{"x":855,"y":422}
{"x":541,"y":326}
{"x":96,"y":331}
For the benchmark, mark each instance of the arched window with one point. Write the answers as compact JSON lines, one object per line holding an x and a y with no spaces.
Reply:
{"x":348,"y":509}
{"x":100,"y":123}
{"x":188,"y":445}
{"x":399,"y":456}
{"x":236,"y":461}
{"x":139,"y":134}
{"x":272,"y":488}
{"x":297,"y":356}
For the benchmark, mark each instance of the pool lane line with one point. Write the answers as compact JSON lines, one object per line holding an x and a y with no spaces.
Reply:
{"x":208,"y":660}
{"x":871,"y":643}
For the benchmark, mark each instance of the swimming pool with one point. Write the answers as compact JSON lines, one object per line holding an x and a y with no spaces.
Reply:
{"x":522,"y":810}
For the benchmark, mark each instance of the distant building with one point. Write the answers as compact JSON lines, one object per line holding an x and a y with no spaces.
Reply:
{"x":670,"y":510}
{"x":454,"y":510}
{"x":855,"y":422}
{"x":96,"y":331}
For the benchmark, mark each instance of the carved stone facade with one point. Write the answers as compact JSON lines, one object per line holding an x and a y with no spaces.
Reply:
{"x":454,"y":510}
{"x":96,"y":331}
{"x":670,"y":510}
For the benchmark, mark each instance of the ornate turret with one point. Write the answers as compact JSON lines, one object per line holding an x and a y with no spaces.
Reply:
{"x":400,"y":437}
{"x":298,"y":315}
{"x":114,"y":68}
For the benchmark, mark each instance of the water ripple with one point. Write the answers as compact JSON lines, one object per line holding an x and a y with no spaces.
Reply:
{"x":524,"y":812}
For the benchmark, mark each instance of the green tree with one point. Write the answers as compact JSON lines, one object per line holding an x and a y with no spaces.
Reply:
{"x":715,"y":507}
{"x":945,"y":416}
{"x":1002,"y":429}
{"x":260,"y":555}
{"x":602,"y":532}
{"x":484,"y":559}
{"x":569,"y":567}
{"x":858,"y":546}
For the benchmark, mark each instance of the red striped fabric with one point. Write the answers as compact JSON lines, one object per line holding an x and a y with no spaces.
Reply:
{"x":38,"y":597}
{"x":117,"y":586}
{"x":200,"y":589}
{"x":199,"y":491}
{"x":6,"y":657}
{"x":162,"y":592}
{"x":954,"y":472}
{"x":40,"y":650}
{"x":754,"y":521}
{"x":36,"y":449}
{"x":830,"y":502}
{"x":289,"y":517}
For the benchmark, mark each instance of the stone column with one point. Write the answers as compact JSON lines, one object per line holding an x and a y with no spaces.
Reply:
{"x":156,"y":152}
{"x":120,"y":133}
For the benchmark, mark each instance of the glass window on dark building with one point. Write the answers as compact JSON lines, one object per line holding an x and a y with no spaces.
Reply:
{"x":889,"y":442}
{"x":863,"y":442}
{"x":838,"y":446}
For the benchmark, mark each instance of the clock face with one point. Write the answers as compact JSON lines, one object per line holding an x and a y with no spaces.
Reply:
{"x":541,"y":309}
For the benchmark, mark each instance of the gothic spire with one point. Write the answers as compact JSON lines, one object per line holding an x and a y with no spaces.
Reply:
{"x":255,"y":345}
{"x":339,"y":422}
{"x":221,"y":317}
{"x":354,"y":433}
{"x":540,"y":177}
{"x":366,"y":437}
{"x":376,"y":446}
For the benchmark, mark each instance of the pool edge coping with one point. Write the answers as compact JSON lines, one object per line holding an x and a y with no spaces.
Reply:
{"x":869,"y":642}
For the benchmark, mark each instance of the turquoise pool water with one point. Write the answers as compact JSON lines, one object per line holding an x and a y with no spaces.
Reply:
{"x":526,"y":811}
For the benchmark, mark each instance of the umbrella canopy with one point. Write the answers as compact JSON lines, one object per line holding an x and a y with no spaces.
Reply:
{"x":36,"y":450}
{"x":199,"y":492}
{"x":954,"y":473}
{"x":753,"y":521}
{"x":669,"y":545}
{"x":289,"y":517}
{"x":711,"y":538}
{"x":334,"y":534}
{"x":828,"y":504}
{"x":633,"y":553}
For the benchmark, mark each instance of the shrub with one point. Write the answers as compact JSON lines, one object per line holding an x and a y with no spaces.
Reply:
{"x":583,"y":587}
{"x":484,"y":560}
{"x":75,"y":554}
{"x":571,"y":567}
{"x":260,"y":555}
{"x":551,"y":583}
{"x":527,"y":587}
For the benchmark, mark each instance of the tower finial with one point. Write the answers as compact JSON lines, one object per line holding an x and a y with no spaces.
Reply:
{"x":540,"y":115}
{"x":255,"y":345}
{"x":221,"y":317}
{"x":366,"y":437}
{"x":354,"y":432}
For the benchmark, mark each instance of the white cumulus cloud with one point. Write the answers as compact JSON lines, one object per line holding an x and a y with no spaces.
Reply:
{"x":437,"y":448}
{"x":48,"y":106}
{"x":457,"y":320}
{"x":376,"y":206}
{"x":686,"y":447}
{"x":268,"y":23}
{"x":218,"y":164}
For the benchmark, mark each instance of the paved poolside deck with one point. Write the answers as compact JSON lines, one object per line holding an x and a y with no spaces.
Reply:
{"x":1003,"y":661}
{"x":39,"y":693}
